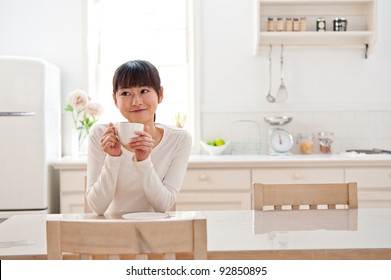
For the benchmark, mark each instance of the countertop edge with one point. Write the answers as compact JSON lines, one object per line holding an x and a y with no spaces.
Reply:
{"x":254,"y":161}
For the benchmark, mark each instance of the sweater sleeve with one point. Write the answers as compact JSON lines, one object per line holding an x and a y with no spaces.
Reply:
{"x":162,"y":193}
{"x":102,"y":173}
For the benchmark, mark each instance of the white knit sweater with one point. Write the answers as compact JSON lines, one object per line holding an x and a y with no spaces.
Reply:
{"x":121,"y":184}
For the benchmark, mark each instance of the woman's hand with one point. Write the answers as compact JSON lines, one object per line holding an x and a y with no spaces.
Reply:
{"x":110,"y":142}
{"x":142,"y":145}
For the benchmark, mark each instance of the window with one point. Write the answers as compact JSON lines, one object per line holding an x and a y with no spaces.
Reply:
{"x":160,"y":31}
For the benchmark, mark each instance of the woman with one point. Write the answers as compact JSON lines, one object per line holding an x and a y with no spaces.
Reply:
{"x":146,"y":174}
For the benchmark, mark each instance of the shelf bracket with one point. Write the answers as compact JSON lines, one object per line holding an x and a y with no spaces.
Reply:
{"x":365,"y":53}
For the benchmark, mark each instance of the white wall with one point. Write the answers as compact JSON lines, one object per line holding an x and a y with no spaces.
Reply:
{"x":51,"y":30}
{"x":234,"y":79}
{"x":328,"y":89}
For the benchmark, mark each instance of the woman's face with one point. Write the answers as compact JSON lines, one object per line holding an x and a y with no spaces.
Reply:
{"x":138,"y":104}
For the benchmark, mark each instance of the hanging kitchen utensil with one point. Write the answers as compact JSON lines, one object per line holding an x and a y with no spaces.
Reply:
{"x":282,"y":93}
{"x":269,"y":97}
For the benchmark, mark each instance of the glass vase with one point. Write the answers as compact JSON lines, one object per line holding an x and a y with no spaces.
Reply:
{"x":79,"y":143}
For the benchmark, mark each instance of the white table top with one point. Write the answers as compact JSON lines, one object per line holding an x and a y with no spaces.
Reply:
{"x":23,"y":235}
{"x":299,"y":230}
{"x":241,"y":230}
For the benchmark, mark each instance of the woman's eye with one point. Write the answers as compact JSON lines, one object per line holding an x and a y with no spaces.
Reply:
{"x":144,"y":90}
{"x":125,"y":93}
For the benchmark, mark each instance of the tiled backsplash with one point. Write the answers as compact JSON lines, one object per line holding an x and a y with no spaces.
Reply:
{"x":352,"y":130}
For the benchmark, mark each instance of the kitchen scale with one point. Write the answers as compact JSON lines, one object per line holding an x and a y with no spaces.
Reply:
{"x":280,"y":140}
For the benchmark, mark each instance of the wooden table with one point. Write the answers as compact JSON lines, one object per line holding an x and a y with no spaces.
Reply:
{"x":245,"y":234}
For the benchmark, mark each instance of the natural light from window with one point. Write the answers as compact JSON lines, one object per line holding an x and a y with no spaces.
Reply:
{"x":155,"y":30}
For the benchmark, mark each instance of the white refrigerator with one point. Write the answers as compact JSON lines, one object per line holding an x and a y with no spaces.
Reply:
{"x":30,"y":117}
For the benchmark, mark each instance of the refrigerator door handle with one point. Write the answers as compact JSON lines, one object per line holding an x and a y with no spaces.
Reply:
{"x":17,"y":114}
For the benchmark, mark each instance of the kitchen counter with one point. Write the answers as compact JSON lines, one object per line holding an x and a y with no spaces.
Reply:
{"x":198,"y":160}
{"x":343,"y":159}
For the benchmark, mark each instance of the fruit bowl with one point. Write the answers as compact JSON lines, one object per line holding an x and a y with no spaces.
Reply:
{"x":214,"y":150}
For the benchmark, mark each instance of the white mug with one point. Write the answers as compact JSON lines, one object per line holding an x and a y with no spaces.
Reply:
{"x":126,"y":131}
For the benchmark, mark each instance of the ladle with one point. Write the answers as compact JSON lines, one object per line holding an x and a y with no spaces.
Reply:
{"x":269,"y":97}
{"x":282,"y":93}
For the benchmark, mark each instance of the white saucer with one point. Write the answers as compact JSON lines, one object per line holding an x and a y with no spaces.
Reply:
{"x":145,"y":216}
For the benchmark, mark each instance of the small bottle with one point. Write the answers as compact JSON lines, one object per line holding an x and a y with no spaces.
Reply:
{"x":270,"y":24}
{"x":320,"y":24}
{"x":288,"y":24}
{"x":303,"y":24}
{"x":296,"y":24}
{"x":340,"y":24}
{"x":280,"y":24}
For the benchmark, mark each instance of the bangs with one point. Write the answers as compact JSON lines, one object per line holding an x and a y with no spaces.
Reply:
{"x":136,"y":74}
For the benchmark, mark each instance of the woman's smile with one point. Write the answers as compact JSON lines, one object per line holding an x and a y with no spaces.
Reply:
{"x":135,"y":111}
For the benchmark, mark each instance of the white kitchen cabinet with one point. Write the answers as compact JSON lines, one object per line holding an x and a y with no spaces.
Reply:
{"x":72,"y":203}
{"x":215,"y":189}
{"x":203,"y":189}
{"x":374,"y":185}
{"x":72,"y":173}
{"x":72,"y":190}
{"x":360,"y":16}
{"x":302,"y":175}
{"x":205,"y":201}
{"x":224,"y":183}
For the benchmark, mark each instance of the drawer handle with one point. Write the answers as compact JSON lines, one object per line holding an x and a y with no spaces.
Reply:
{"x":297,"y":176}
{"x":203,"y":177}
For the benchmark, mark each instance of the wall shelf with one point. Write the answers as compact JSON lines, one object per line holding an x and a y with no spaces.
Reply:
{"x":360,"y":15}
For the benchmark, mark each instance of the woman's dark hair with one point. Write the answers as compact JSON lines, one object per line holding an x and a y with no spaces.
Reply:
{"x":136,"y":73}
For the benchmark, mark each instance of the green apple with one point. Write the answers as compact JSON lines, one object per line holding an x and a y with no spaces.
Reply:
{"x":220,"y":142}
{"x":211,"y":143}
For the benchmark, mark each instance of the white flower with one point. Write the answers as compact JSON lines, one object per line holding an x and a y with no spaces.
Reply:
{"x":94,"y":109}
{"x":84,"y":112}
{"x":78,"y":99}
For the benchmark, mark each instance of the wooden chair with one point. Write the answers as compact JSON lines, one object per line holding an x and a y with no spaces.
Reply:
{"x":304,"y":196}
{"x":117,"y":238}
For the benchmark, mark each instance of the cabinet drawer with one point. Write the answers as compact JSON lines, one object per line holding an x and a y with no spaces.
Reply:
{"x":298,"y":175}
{"x":379,"y":199}
{"x":217,"y":179}
{"x":72,"y":203}
{"x":72,"y":180}
{"x":367,"y":177}
{"x":213,"y":201}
